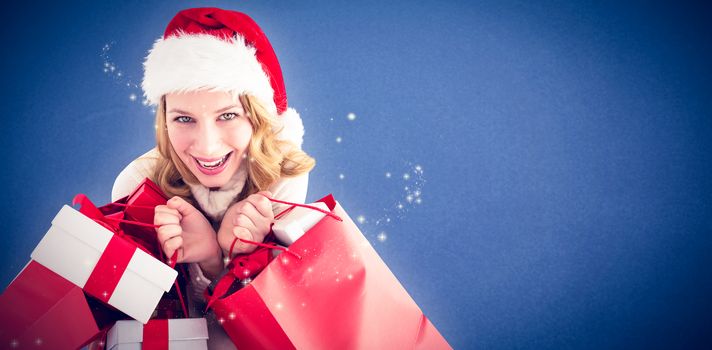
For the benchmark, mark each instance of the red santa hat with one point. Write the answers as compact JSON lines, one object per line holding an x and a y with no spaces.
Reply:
{"x":220,"y":50}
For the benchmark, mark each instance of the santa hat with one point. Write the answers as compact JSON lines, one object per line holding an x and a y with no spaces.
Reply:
{"x":220,"y":50}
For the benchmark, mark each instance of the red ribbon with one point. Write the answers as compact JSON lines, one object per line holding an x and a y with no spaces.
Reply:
{"x":117,"y":254}
{"x":155,"y":335}
{"x":109,"y":269}
{"x":242,"y":267}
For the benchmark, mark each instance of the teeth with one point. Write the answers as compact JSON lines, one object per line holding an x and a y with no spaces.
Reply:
{"x":214,"y":164}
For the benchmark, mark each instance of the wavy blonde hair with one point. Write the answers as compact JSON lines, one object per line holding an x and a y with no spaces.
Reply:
{"x":270,"y":158}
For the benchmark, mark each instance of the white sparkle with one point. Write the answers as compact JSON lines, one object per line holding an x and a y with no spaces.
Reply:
{"x":416,"y":193}
{"x":341,"y":176}
{"x":382,"y":237}
{"x":388,"y":219}
{"x":350,"y":276}
{"x":226,"y":260}
{"x":106,"y":70}
{"x":285,"y":260}
{"x":400,"y":206}
{"x":231,"y":316}
{"x":132,"y":97}
{"x":331,"y":119}
{"x":361,"y":219}
{"x":145,"y":102}
{"x":14,"y":343}
{"x":246,"y":281}
{"x":388,"y":175}
{"x":406,"y":176}
{"x":406,"y":188}
{"x":351,"y":117}
{"x":409,"y":198}
{"x":309,"y":269}
{"x":105,"y":294}
{"x":38,"y":341}
{"x":106,"y":64}
{"x":112,"y":68}
{"x":418,"y":168}
{"x":304,"y":304}
{"x":338,"y":139}
{"x":418,"y":200}
{"x":221,"y":320}
{"x":279,"y":306}
{"x":246,"y":272}
{"x":337,"y":279}
{"x":118,"y":74}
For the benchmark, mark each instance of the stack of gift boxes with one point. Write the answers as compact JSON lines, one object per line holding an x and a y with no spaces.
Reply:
{"x":97,"y":274}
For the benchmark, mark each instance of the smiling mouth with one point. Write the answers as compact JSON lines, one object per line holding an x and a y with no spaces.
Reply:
{"x":213,"y":164}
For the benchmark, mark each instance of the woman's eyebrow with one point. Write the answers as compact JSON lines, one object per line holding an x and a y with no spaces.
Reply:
{"x":226,"y":108}
{"x":179,"y":111}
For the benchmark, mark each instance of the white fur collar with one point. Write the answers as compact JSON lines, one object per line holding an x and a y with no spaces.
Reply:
{"x":216,"y":202}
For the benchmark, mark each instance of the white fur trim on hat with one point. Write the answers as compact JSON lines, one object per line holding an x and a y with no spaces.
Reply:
{"x":190,"y":62}
{"x":292,"y":127}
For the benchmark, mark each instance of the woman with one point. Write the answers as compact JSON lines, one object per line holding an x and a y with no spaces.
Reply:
{"x":225,"y":141}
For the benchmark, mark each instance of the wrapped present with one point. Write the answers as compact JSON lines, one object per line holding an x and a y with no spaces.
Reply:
{"x":291,"y":224}
{"x":37,"y":306}
{"x":171,"y":334}
{"x":328,"y":290}
{"x":104,"y":264}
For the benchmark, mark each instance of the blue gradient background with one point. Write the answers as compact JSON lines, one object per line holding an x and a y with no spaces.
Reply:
{"x":566,"y":149}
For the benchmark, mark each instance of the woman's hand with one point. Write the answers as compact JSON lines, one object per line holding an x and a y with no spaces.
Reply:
{"x":250,"y":219}
{"x":184,"y":229}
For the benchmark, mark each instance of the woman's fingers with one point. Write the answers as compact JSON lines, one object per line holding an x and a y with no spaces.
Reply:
{"x":262,"y":204}
{"x":182,"y":206}
{"x":170,"y":246}
{"x":240,"y":246}
{"x":164,"y":215}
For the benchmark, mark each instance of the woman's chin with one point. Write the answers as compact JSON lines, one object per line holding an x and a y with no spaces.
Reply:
{"x":214,"y":181}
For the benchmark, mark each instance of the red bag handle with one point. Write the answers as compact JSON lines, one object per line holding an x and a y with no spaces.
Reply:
{"x":274,"y":246}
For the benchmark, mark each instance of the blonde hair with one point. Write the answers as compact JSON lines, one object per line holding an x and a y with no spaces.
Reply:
{"x":270,"y":158}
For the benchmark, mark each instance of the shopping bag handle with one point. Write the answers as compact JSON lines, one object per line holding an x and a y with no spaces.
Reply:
{"x":274,"y":246}
{"x":88,"y":208}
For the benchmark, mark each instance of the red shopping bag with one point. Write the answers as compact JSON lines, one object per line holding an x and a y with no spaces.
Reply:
{"x":331,"y":290}
{"x":37,"y":305}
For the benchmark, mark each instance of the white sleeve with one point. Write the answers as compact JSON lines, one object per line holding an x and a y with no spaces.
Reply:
{"x":289,"y":189}
{"x":139,"y":169}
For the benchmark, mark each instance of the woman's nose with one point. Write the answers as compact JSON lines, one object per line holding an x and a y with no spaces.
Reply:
{"x":208,"y":142}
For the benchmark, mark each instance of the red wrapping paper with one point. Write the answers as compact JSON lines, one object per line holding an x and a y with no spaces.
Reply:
{"x":37,"y":306}
{"x":338,"y":295}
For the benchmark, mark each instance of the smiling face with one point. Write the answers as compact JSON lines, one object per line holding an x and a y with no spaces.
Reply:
{"x":210,"y":133}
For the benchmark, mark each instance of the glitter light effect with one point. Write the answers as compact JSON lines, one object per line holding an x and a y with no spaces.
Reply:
{"x":112,"y":70}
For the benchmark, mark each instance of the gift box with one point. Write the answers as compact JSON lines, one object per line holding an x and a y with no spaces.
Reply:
{"x":296,"y":221}
{"x":37,"y":306}
{"x":328,"y":290}
{"x":105,"y":265}
{"x":172,"y":334}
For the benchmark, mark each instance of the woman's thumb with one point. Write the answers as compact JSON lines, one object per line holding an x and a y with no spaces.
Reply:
{"x":180,"y":204}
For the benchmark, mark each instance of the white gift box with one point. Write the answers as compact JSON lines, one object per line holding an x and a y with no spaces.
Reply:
{"x":296,"y":222}
{"x":72,"y":247}
{"x":183,"y":334}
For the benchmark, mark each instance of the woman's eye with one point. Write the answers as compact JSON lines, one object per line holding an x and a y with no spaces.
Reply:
{"x":228,"y":116}
{"x":183,"y":119}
